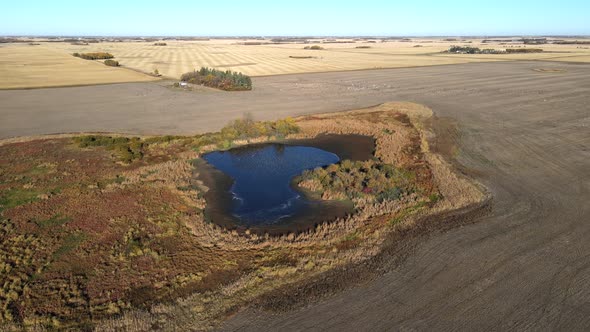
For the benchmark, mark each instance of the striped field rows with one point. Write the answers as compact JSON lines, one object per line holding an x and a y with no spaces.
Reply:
{"x":259,"y":60}
{"x":51,"y":64}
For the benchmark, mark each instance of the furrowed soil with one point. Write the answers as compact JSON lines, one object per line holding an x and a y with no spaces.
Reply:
{"x":522,"y":266}
{"x":523,"y":133}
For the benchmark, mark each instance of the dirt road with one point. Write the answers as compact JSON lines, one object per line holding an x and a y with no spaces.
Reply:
{"x":523,"y":133}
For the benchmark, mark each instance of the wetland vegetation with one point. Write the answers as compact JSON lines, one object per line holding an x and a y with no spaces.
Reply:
{"x":109,"y":232}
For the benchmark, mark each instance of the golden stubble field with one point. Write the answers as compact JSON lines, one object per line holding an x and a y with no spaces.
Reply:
{"x":27,"y":66}
{"x":51,"y":64}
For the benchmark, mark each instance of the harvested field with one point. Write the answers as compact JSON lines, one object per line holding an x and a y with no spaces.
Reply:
{"x":156,"y":109}
{"x":522,"y":133}
{"x":25,"y":66}
{"x":179,"y":57}
{"x":573,"y":58}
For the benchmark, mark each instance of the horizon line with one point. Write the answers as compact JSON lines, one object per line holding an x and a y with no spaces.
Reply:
{"x":292,"y":36}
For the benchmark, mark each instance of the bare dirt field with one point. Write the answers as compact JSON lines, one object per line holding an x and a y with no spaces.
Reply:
{"x":49,"y":64}
{"x":523,"y":133}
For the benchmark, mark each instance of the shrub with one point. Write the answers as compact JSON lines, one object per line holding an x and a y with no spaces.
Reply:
{"x":464,"y":49}
{"x":246,"y":128}
{"x":224,"y":80}
{"x":111,"y":63}
{"x":472,"y":50}
{"x":314,"y":47}
{"x":285,"y":127}
{"x":382,"y":182}
{"x":94,"y":56}
{"x":160,"y":44}
{"x":127,"y":149}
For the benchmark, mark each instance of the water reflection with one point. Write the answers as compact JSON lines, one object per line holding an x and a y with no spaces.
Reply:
{"x":262,"y":174}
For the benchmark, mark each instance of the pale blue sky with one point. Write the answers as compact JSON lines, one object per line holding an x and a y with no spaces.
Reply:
{"x":294,"y":18}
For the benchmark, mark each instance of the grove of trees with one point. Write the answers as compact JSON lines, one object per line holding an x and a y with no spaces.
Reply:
{"x":225,"y":80}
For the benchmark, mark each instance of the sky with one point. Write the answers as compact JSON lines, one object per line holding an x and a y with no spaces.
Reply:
{"x":294,"y":18}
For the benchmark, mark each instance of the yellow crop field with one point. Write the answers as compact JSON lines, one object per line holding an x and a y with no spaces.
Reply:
{"x":26,"y":66}
{"x":51,"y":63}
{"x":179,"y":57}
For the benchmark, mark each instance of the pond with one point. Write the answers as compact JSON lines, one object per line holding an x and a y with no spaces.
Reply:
{"x":262,"y":174}
{"x":252,"y":186}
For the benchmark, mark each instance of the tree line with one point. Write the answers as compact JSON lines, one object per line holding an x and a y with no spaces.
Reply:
{"x":94,"y":56}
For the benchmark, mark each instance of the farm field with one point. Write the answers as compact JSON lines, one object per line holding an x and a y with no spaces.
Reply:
{"x":519,"y":127}
{"x":252,"y":166}
{"x":49,"y":64}
{"x":261,"y":60}
{"x":25,"y":66}
{"x":179,"y":57}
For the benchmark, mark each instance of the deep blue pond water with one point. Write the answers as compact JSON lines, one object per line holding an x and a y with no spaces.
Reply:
{"x":262,"y":174}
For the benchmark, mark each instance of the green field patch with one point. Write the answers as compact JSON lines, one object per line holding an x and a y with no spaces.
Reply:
{"x":54,"y":221}
{"x":71,"y":242}
{"x":16,"y":197}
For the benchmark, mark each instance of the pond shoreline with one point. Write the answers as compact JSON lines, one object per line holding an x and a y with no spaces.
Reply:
{"x":219,"y":198}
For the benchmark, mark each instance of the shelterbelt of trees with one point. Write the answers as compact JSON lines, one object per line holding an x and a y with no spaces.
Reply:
{"x":224,"y":80}
{"x":477,"y":50}
{"x":94,"y":56}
